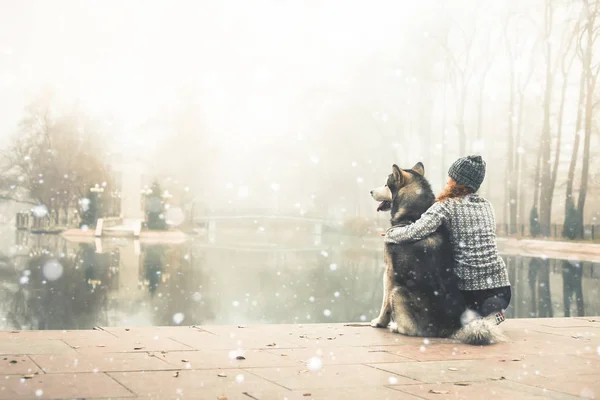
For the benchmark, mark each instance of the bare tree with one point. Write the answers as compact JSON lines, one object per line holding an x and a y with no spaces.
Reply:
{"x":554,"y":60}
{"x":460,"y":71}
{"x":53,"y":161}
{"x":519,"y":52}
{"x":591,"y":68}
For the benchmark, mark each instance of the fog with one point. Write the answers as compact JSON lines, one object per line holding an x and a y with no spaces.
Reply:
{"x":300,"y":108}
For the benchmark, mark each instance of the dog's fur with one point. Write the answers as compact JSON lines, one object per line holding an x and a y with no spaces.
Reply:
{"x":421,"y":295}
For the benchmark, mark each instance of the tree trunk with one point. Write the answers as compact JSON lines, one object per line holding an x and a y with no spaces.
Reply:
{"x":462,"y":135}
{"x":546,"y":139}
{"x":590,"y":78}
{"x":571,"y":228}
{"x":519,"y":163}
{"x":586,"y":158}
{"x":534,"y":220}
{"x":462,"y":139}
{"x":443,"y":144}
{"x":510,"y":192}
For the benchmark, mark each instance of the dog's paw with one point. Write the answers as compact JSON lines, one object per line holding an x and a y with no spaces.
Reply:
{"x":376,"y":323}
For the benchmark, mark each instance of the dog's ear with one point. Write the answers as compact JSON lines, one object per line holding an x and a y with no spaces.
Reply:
{"x":419,"y":168}
{"x":398,"y":174}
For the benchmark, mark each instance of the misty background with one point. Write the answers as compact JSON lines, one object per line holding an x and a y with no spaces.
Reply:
{"x":300,"y":108}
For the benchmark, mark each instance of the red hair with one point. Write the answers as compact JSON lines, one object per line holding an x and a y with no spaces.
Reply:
{"x":454,"y":190}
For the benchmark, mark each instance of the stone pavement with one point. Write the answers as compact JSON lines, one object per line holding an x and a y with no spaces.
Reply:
{"x":546,"y":358}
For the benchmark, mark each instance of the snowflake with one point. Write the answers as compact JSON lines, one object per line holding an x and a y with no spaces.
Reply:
{"x":314,"y":364}
{"x":52,"y":270}
{"x":178,"y":318}
{"x":40,"y":211}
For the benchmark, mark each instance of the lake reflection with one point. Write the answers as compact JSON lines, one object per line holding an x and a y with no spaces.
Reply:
{"x":51,"y":283}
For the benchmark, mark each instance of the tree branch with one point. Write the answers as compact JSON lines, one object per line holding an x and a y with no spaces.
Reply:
{"x":10,"y":198}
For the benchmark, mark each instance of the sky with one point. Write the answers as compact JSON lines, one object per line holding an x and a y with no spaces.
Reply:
{"x":248,"y":61}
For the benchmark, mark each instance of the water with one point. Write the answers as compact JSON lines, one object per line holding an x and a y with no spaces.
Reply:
{"x":47,"y":282}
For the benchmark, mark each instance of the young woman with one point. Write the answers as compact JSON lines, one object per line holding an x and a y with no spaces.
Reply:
{"x":469,"y":218}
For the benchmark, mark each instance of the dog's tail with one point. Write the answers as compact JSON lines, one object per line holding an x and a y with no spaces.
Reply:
{"x":479,"y":331}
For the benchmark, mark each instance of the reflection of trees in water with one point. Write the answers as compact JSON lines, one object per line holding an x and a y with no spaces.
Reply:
{"x":359,"y":280}
{"x":271,"y":286}
{"x":539,"y":284}
{"x":572,"y":287}
{"x":153,"y":266}
{"x":299,"y":287}
{"x":173,"y":274}
{"x":292,"y":286}
{"x":70,"y":302}
{"x":531,"y":282}
{"x":511,"y":266}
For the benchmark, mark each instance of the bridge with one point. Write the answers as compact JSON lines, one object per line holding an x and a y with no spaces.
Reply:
{"x":262,"y":217}
{"x":210,"y":221}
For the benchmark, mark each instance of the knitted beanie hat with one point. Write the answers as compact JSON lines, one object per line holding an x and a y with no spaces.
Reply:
{"x":468,"y":171}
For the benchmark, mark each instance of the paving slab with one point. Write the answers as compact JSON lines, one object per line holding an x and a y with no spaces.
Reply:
{"x":481,"y":390}
{"x":111,"y":344}
{"x":18,"y":365}
{"x":62,"y":386}
{"x":332,"y":376}
{"x":34,"y":346}
{"x":342,"y":355}
{"x":109,"y":362}
{"x":544,"y":358}
{"x":198,"y":384}
{"x":375,"y":393}
{"x":238,"y":358}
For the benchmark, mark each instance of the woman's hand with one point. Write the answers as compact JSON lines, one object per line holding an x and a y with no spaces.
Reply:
{"x":388,"y":231}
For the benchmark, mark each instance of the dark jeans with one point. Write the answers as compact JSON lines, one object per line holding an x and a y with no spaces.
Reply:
{"x":488,"y":301}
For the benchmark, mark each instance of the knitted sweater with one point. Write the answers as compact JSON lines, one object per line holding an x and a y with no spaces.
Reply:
{"x":471,"y":225}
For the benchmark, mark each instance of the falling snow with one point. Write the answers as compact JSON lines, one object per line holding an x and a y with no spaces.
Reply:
{"x":52,"y":270}
{"x":314,"y":364}
{"x":40,"y":211}
{"x":178,"y":318}
{"x":197,"y":297}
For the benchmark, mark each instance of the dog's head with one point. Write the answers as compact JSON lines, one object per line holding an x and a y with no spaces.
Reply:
{"x":396,"y":181}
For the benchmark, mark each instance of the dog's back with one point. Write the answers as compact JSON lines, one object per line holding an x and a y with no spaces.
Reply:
{"x":426,"y":284}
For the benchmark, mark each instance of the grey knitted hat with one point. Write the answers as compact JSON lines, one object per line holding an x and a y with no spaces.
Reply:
{"x":468,"y":171}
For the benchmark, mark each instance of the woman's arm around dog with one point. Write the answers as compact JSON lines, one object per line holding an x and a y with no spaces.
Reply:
{"x":429,"y":222}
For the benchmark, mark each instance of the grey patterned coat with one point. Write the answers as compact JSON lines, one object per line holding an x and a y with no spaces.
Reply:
{"x":472,"y":228}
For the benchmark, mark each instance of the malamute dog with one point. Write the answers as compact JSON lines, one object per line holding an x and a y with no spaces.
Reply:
{"x":421,"y":295}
